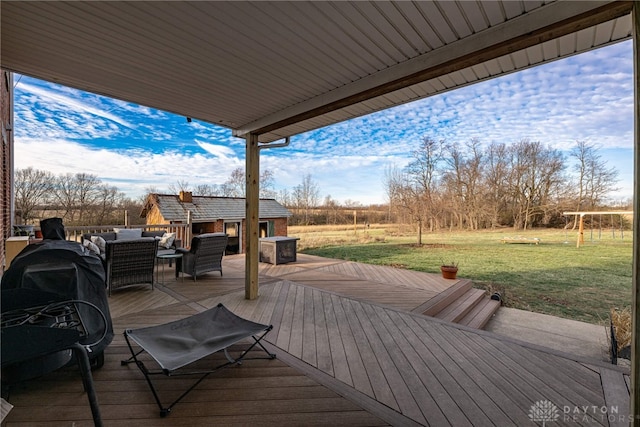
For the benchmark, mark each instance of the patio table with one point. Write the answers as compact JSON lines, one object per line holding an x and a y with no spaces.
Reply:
{"x":163,"y":257}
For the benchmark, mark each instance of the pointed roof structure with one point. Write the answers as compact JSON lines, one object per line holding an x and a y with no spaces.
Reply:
{"x":174,"y":207}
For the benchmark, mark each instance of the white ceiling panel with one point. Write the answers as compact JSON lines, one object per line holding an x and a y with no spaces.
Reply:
{"x":513,"y":8}
{"x":494,"y":12}
{"x":458,"y":78}
{"x":278,"y":68}
{"x":520,"y":59}
{"x":456,"y":20}
{"x":422,"y":90}
{"x":437,"y":21}
{"x":604,"y":32}
{"x":469,"y":74}
{"x":567,"y":44}
{"x":550,"y":50}
{"x":475,"y":15}
{"x":535,"y":54}
{"x":493,"y":66}
{"x":506,"y":63}
{"x":417,"y":21}
{"x":622,"y":28}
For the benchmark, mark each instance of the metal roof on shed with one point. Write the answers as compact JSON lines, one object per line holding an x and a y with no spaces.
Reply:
{"x":209,"y":208}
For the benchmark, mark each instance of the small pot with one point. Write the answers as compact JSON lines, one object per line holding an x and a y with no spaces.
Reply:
{"x":449,"y":271}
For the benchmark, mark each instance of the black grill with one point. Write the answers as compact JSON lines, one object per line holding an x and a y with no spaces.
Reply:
{"x":55,"y":284}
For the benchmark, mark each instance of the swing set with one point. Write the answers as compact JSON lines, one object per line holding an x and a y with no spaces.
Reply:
{"x":582,"y":214}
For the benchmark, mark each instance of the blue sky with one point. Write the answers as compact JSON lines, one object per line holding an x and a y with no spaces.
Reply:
{"x":588,"y":97}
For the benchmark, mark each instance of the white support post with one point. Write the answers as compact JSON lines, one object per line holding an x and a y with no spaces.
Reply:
{"x":635,"y":341}
{"x":252,"y":217}
{"x":188,"y":231}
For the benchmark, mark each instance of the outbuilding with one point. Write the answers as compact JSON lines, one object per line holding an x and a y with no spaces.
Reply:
{"x":209,"y":214}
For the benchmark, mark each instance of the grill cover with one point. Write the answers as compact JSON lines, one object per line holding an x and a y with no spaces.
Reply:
{"x":69,"y":271}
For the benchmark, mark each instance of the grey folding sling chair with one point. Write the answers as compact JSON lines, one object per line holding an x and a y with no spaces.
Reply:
{"x":177,"y":344}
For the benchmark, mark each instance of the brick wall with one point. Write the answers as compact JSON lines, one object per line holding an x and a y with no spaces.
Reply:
{"x":281,"y":227}
{"x":6,"y":172}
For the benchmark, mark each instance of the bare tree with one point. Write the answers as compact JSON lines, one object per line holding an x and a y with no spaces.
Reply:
{"x":594,"y":179}
{"x":33,"y":189}
{"x":107,"y":201}
{"x":332,"y":210}
{"x":235,"y":185}
{"x":75,"y":195}
{"x":306,"y":196}
{"x":536,"y":172}
{"x":65,"y":196}
{"x":267,"y":179}
{"x":86,"y":192}
{"x":180,"y":185}
{"x":420,"y":188}
{"x":462,"y":180}
{"x":207,"y":190}
{"x":496,"y":182}
{"x":284,"y":198}
{"x":391,"y":181}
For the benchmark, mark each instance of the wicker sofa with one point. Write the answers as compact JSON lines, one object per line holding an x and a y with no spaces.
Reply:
{"x":129,"y":262}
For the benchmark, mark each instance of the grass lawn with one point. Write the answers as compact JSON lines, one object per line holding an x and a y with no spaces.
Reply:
{"x":553,"y":277}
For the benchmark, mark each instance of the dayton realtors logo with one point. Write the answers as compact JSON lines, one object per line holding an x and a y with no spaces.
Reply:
{"x":545,"y":411}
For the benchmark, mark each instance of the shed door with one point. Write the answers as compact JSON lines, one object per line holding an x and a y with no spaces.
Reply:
{"x":267,"y":229}
{"x":234,"y":244}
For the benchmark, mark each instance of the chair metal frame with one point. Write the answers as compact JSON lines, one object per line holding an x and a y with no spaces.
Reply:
{"x":36,"y":331}
{"x":130,"y":337}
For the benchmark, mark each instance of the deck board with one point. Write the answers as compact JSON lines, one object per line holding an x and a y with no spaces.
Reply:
{"x":359,"y":378}
{"x":350,"y":352}
{"x":615,"y":391}
{"x":375,"y":374}
{"x":547,"y":381}
{"x":498,"y":406}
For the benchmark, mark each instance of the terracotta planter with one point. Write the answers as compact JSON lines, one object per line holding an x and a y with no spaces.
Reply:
{"x":448,"y":271}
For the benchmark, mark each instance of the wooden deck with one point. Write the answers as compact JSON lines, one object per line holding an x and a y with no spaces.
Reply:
{"x":352,"y":349}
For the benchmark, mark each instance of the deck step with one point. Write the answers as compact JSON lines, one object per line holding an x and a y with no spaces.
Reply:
{"x":481,"y":313}
{"x":461,"y":303}
{"x":459,"y":308}
{"x":443,"y":299}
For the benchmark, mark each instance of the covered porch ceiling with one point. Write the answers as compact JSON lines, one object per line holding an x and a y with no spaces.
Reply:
{"x":278,"y":69}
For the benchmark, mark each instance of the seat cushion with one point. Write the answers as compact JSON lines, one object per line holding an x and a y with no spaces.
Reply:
{"x":91,"y":246}
{"x":166,"y":241}
{"x":166,"y":252}
{"x":128,"y":233}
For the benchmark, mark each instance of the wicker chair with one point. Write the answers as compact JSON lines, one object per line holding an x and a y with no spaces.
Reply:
{"x":205,"y":255}
{"x":130,"y":262}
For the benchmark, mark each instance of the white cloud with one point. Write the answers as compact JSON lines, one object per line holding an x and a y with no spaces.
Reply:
{"x":586,"y":97}
{"x":130,"y":170}
{"x":57,"y":101}
{"x":219,"y":152}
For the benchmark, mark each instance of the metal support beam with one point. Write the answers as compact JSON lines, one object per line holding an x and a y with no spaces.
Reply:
{"x":252,"y":201}
{"x":635,"y":341}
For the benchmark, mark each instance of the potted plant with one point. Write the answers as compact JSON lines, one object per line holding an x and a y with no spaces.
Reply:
{"x":620,"y":330}
{"x":449,"y":270}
